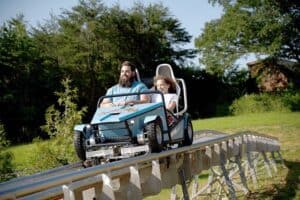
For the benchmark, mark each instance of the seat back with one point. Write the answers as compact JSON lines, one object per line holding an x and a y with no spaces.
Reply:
{"x":166,"y":70}
{"x":137,"y":75}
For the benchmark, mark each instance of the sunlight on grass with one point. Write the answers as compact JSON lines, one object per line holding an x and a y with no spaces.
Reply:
{"x":248,"y":121}
{"x":284,"y":126}
{"x":21,"y":153}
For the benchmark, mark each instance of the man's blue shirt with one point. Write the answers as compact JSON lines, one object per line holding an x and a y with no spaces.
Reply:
{"x":136,"y":87}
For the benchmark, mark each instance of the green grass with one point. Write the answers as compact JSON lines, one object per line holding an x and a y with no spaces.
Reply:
{"x":284,"y":126}
{"x":21,"y":153}
{"x":249,"y":121}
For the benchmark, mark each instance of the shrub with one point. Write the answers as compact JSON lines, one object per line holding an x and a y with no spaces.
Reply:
{"x":258,"y":103}
{"x":59,"y":126}
{"x":292,"y":100}
{"x":7,"y":169}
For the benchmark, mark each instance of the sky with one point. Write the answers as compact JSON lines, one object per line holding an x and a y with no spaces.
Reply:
{"x":193,"y":14}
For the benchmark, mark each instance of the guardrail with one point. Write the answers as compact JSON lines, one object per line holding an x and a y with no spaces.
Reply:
{"x":141,"y":176}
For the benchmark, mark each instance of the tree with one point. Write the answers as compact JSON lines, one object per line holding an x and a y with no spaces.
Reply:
{"x":7,"y":169}
{"x":90,"y":41}
{"x":60,"y":121}
{"x":87,"y":43}
{"x":22,"y":82}
{"x":149,"y":36}
{"x":268,"y":28}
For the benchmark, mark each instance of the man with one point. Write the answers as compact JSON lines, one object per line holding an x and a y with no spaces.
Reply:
{"x":127,"y":84}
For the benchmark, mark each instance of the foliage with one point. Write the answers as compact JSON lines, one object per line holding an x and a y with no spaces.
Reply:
{"x":292,"y":99}
{"x":267,"y":28}
{"x":24,"y":82}
{"x":86,"y":43}
{"x":258,"y":103}
{"x":6,"y":166}
{"x":59,"y":126}
{"x":216,"y":93}
{"x":91,"y":41}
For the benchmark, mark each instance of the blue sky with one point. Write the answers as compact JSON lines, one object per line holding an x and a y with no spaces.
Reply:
{"x":193,"y":14}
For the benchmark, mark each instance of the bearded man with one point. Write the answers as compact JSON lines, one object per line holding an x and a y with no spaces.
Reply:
{"x":127,"y":84}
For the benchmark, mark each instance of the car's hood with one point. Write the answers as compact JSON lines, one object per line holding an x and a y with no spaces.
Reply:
{"x":122,"y":113}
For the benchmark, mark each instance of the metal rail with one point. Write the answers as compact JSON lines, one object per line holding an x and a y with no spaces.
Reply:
{"x":137,"y":177}
{"x":39,"y":176}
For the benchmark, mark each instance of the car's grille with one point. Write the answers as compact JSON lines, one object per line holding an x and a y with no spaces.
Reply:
{"x":117,"y":138}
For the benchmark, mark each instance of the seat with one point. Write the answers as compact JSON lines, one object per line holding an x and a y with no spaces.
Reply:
{"x":166,"y":70}
{"x":137,"y":75}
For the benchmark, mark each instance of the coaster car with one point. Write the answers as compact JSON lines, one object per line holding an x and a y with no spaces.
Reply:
{"x":120,"y":132}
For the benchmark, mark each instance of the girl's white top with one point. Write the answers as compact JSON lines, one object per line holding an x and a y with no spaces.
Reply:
{"x":169,"y":97}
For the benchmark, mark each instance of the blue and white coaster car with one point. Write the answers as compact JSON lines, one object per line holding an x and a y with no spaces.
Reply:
{"x":119,"y":132}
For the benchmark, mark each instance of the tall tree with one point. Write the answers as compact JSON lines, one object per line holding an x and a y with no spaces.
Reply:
{"x":90,"y":41}
{"x":21,"y":82}
{"x":76,"y":47}
{"x":262,"y":27}
{"x":149,"y":36}
{"x":87,"y":44}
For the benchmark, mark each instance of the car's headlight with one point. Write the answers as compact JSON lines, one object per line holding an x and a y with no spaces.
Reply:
{"x":141,"y":138}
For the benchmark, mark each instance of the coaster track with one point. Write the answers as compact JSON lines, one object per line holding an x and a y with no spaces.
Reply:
{"x":137,"y":177}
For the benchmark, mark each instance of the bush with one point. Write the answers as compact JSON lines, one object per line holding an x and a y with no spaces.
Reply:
{"x":59,"y":126}
{"x":292,"y":100}
{"x":7,"y":170}
{"x":259,"y":103}
{"x":47,"y":156}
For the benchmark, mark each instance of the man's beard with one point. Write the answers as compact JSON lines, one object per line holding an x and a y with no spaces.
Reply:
{"x":126,"y":82}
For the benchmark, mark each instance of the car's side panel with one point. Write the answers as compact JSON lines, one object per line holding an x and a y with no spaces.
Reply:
{"x":178,"y":131}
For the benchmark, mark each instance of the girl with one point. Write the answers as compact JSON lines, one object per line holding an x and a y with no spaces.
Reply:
{"x":166,"y":86}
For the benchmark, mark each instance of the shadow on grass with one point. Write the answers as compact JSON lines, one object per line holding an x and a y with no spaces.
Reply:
{"x":282,"y":189}
{"x":289,"y":189}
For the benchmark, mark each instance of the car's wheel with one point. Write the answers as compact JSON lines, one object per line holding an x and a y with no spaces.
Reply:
{"x":155,"y":135}
{"x":188,"y":134}
{"x":79,"y":145}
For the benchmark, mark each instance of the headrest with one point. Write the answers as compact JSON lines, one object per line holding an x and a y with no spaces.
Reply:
{"x":165,"y":70}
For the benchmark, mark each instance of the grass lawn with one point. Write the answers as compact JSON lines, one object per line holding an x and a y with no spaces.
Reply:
{"x":284,"y":126}
{"x":21,"y":153}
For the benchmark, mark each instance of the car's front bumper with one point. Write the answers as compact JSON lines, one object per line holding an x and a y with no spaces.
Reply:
{"x":118,"y":152}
